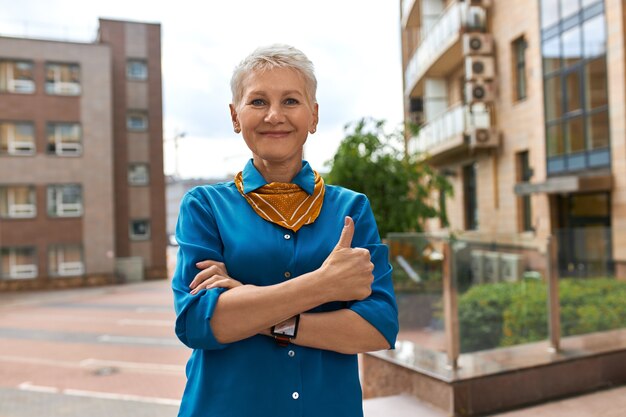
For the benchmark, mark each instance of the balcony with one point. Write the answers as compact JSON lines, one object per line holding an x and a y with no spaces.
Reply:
{"x":441,"y":48}
{"x":410,"y":13}
{"x":445,"y":134}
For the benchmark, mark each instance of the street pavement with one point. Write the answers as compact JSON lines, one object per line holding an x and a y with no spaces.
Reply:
{"x":91,"y":351}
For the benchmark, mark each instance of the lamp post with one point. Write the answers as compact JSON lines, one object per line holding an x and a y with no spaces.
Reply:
{"x":177,"y":137}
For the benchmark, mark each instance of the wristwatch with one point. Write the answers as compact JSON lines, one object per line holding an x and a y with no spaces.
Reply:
{"x":285,"y":331}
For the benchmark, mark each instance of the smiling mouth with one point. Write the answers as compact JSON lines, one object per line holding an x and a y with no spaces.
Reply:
{"x":276,"y":133}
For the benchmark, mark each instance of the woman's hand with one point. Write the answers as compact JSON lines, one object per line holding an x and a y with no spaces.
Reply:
{"x":213,"y":275}
{"x":348,"y":272}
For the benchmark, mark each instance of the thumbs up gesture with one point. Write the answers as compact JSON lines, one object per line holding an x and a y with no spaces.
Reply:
{"x":347,"y":271}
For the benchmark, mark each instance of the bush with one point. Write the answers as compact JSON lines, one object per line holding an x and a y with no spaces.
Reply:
{"x":506,"y":314}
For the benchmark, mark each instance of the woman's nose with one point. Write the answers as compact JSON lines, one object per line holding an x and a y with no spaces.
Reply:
{"x":274,"y":115}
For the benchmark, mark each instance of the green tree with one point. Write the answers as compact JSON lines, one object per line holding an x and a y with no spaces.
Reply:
{"x":400,"y":187}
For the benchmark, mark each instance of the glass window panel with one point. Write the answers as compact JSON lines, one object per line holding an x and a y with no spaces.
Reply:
{"x":138,"y":174}
{"x":590,"y":205}
{"x":594,"y":35}
{"x":575,"y":135}
{"x":572,"y":90}
{"x":586,"y":3}
{"x":554,"y":98}
{"x":139,"y":229}
{"x":18,"y":263}
{"x":17,"y":138}
{"x":63,"y":79}
{"x":572,"y":46}
{"x":137,"y":121}
{"x":64,"y":138}
{"x":554,"y":138}
{"x":65,"y":200}
{"x":136,"y":70}
{"x":551,"y":52}
{"x":598,"y":130}
{"x":569,"y":7}
{"x":596,"y":94}
{"x":549,"y":12}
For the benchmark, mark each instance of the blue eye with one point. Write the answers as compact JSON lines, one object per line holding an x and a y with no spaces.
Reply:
{"x":291,"y":102}
{"x":257,"y":102}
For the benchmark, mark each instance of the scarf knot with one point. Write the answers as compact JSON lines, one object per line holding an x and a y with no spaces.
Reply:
{"x":285,"y":204}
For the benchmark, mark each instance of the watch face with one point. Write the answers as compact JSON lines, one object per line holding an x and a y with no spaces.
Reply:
{"x":287,"y":328}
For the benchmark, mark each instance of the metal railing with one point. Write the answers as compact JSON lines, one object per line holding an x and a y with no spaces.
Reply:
{"x":448,"y":126}
{"x":478,"y":293}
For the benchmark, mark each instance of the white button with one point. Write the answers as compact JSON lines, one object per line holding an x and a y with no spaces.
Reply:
{"x":295,"y":395}
{"x":291,"y":353}
{"x":287,"y":236}
{"x":287,"y":274}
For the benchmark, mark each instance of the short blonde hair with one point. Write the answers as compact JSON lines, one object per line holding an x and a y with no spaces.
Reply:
{"x":269,"y":57}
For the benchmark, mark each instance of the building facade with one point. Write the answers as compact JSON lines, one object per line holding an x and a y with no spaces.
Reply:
{"x":521,"y":104}
{"x":82,"y":192}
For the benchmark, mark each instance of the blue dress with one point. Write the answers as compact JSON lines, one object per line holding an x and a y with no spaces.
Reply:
{"x":255,"y":377}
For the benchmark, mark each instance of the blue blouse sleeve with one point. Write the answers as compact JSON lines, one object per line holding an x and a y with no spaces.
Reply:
{"x":380,"y":308}
{"x":198,"y":239}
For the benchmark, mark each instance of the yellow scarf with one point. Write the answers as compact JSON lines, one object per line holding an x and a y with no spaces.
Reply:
{"x":285,"y":204}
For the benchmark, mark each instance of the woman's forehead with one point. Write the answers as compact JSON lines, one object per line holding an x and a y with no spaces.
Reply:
{"x":273,"y":80}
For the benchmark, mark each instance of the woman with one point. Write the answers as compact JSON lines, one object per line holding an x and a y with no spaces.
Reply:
{"x":293,"y":280}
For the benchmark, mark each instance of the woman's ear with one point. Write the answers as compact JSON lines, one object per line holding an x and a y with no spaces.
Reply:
{"x":234,"y":118}
{"x":313,"y":126}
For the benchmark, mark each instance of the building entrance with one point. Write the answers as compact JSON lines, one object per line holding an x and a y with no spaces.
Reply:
{"x":584,"y":235}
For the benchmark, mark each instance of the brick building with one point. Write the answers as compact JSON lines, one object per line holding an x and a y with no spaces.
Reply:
{"x":522,"y":105}
{"x":82,"y":189}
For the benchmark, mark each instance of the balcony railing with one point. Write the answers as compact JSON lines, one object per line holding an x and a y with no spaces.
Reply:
{"x":446,"y":131}
{"x":436,"y":40}
{"x":23,"y":271}
{"x":407,"y":6}
{"x":22,"y":211}
{"x":71,"y":269}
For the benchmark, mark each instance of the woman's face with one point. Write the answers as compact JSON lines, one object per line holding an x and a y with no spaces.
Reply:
{"x":275,"y":115}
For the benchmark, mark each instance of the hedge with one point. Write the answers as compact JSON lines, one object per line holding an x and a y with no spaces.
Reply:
{"x":506,"y":314}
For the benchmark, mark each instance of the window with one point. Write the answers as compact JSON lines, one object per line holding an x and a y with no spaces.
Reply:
{"x":575,"y":85}
{"x":524,"y":174}
{"x":137,"y":121}
{"x":18,"y":263}
{"x":64,"y":139}
{"x":16,"y":77}
{"x":470,"y":197}
{"x":63,"y":79}
{"x":65,"y":200}
{"x":137,"y":70}
{"x":140,"y":229}
{"x":519,"y":53}
{"x":138,"y":174}
{"x":17,"y":138}
{"x":18,"y":202}
{"x":65,"y":260}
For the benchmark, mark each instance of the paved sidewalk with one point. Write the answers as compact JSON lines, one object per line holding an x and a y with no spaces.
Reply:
{"x":17,"y":403}
{"x":606,"y":403}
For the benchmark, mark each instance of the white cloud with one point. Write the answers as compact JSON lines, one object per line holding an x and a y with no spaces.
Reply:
{"x":354,"y":45}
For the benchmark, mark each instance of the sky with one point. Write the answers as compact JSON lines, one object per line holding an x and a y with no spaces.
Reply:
{"x":354,"y":45}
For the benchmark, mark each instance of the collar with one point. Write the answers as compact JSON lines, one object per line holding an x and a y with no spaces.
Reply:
{"x":252,"y":178}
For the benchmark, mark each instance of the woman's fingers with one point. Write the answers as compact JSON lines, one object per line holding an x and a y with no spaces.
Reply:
{"x":216,"y":281}
{"x":210,"y":269}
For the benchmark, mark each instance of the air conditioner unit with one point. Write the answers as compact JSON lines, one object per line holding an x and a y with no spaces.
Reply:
{"x":480,"y":68}
{"x":483,"y":138}
{"x":511,"y":267}
{"x":479,"y":92}
{"x":474,"y":18}
{"x":477,"y":44}
{"x":477,"y":266}
{"x":491,"y":267}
